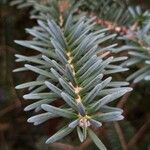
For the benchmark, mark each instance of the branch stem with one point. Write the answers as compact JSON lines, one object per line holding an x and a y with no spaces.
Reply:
{"x":121,"y":136}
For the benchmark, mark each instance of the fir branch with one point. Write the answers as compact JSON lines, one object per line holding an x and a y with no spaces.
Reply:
{"x":114,"y":27}
{"x":138,"y":50}
{"x":72,"y":77}
{"x":73,"y":64}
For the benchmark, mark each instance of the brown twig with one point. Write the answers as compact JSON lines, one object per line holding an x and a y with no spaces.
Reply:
{"x":62,"y":146}
{"x":108,"y":24}
{"x":4,"y":126}
{"x":9,"y":109}
{"x":113,"y":26}
{"x":124,"y":99}
{"x":139,"y":134}
{"x":121,"y":136}
{"x":63,"y":5}
{"x":3,"y":143}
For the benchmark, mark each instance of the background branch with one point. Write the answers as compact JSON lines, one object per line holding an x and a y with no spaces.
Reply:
{"x":120,"y":135}
{"x":139,"y":135}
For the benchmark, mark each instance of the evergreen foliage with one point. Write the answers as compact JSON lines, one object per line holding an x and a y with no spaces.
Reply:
{"x":74,"y":63}
{"x":139,"y":54}
{"x":69,"y":66}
